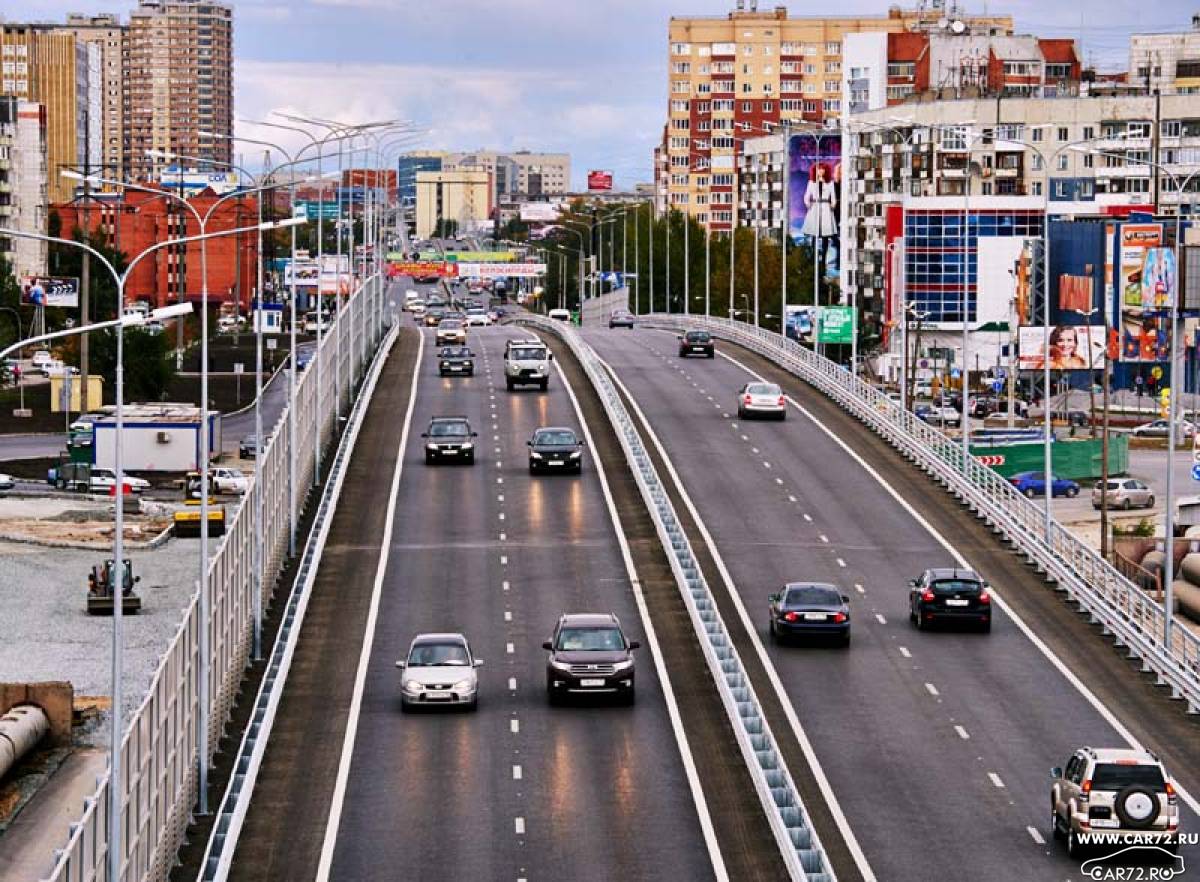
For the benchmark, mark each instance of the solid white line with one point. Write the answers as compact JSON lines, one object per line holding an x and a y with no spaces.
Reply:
{"x":810,"y":755}
{"x":516,"y":773}
{"x":995,"y":779}
{"x":879,"y":618}
{"x":325,"y":864}
{"x":961,"y":561}
{"x":514,"y":726}
{"x":660,"y":666}
{"x":962,"y":733}
{"x":1036,"y":835}
{"x":512,"y":684}
{"x":519,"y":825}
{"x":904,"y":652}
{"x":932,"y":690}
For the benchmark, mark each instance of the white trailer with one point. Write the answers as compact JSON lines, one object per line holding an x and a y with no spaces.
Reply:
{"x":157,"y":438}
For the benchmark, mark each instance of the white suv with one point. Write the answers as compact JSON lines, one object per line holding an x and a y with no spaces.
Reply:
{"x":1113,"y":797}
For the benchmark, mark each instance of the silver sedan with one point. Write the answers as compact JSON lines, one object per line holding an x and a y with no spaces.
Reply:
{"x":762,"y":399}
{"x":439,"y":670}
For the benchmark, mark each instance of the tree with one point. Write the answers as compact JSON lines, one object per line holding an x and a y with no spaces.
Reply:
{"x":10,"y":299}
{"x":149,"y":364}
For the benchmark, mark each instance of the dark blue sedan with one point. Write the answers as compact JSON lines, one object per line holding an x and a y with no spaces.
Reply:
{"x":810,"y":609}
{"x":1033,"y":484}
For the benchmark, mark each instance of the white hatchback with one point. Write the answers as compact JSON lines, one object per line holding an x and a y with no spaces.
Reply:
{"x":439,"y":670}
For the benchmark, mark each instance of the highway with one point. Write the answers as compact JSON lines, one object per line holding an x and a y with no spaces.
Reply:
{"x":939,"y":739}
{"x":518,"y":789}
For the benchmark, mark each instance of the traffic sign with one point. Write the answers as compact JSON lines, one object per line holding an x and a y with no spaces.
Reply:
{"x":1196,"y":472}
{"x":997,"y":385}
{"x":955,"y":373}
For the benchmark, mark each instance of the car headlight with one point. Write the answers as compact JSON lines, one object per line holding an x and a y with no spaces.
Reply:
{"x":463,"y":686}
{"x":560,"y":665}
{"x":431,"y":446}
{"x":575,"y":455}
{"x":467,"y":445}
{"x":623,"y":665}
{"x":412,"y":686}
{"x":533,"y":454}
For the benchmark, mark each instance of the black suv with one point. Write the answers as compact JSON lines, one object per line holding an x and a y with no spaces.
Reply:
{"x":589,"y":655}
{"x":949,"y":595}
{"x":696,"y":343}
{"x":449,"y":439}
{"x":456,"y":360}
{"x":555,"y":449}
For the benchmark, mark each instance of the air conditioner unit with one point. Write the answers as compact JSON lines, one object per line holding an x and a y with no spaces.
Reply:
{"x":163,"y":438}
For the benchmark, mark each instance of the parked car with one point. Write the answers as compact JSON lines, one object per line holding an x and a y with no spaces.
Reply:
{"x":938,"y":415}
{"x":590,"y":655}
{"x":312,"y":324}
{"x":7,"y":482}
{"x":227,"y":480}
{"x":1160,"y":429}
{"x":230,"y":324}
{"x":809,"y":609}
{"x":761,"y":399}
{"x":248,"y":447}
{"x":439,"y":670}
{"x":40,"y":358}
{"x":1123,"y":493}
{"x":620,"y":318}
{"x":104,"y":480}
{"x":1033,"y":484}
{"x":949,"y":595}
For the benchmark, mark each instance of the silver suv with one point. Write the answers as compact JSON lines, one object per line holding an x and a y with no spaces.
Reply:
{"x":1113,"y":797}
{"x":527,"y":363}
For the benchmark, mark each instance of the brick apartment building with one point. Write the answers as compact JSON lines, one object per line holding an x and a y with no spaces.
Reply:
{"x":141,"y":219}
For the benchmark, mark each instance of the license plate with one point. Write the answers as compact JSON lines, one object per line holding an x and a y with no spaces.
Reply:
{"x":697,"y":349}
{"x":457,"y":367}
{"x":954,"y":601}
{"x":590,"y":683}
{"x":1109,"y":823}
{"x":434,"y":696}
{"x":556,"y":462}
{"x":814,"y":617}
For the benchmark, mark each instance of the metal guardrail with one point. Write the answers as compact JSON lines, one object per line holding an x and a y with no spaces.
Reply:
{"x":1133,"y":620}
{"x":160,"y":749}
{"x":218,"y":856}
{"x":797,"y":839}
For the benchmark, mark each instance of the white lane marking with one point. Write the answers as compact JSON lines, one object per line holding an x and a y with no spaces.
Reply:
{"x":499,"y":480}
{"x":791,"y":498}
{"x":810,"y":755}
{"x":499,"y":497}
{"x":512,"y":684}
{"x":495,"y":437}
{"x":904,"y":652}
{"x":504,"y":560}
{"x":745,"y":438}
{"x":841,"y":563}
{"x":754,"y":450}
{"x":824,"y":538}
{"x":961,"y":561}
{"x":995,"y":779}
{"x":879,"y":618}
{"x":808,"y":518}
{"x":501,"y":515}
{"x":519,"y":825}
{"x":681,"y":738}
{"x":859,"y":588}
{"x":503,"y":537}
{"x":497,"y":463}
{"x":724,"y":414}
{"x":766,"y":465}
{"x":962,"y":733}
{"x":1036,"y":835}
{"x":516,"y":773}
{"x":514,"y":726}
{"x":504,"y":585}
{"x":364,"y":659}
{"x":932,"y":690}
{"x":509,"y":648}
{"x":779,"y":481}
{"x":497,"y":450}
{"x":508,"y":615}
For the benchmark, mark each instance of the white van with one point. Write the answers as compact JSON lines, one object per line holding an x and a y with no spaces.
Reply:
{"x":562,"y":315}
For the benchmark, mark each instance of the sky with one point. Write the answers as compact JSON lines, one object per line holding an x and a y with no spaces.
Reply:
{"x":586,"y":77}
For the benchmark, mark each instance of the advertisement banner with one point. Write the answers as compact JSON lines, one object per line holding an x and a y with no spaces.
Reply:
{"x":600,"y":180}
{"x":1075,"y":293}
{"x":480,"y":256}
{"x":423,"y":269}
{"x":500,"y":270}
{"x":1146,"y":275}
{"x":539,"y":212}
{"x":799,"y":323}
{"x":305,"y":272}
{"x":814,"y":195}
{"x":1072,"y":348}
{"x":48,"y":291}
{"x":1144,"y":337}
{"x":1136,"y":241}
{"x":836,"y":324}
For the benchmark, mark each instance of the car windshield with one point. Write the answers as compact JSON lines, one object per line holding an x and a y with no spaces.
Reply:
{"x":527,"y":353}
{"x":1115,"y":776}
{"x":555,"y":437}
{"x":475,"y":311}
{"x":698,"y":336}
{"x":450,"y":325}
{"x":812,"y":595}
{"x":448,"y":430}
{"x":429,"y":655}
{"x":762,"y":389}
{"x":455,"y":352}
{"x":591,"y":639}
{"x":955,"y":586}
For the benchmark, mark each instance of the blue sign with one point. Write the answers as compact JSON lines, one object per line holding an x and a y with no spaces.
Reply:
{"x":997,"y":385}
{"x":1002,"y":373}
{"x":1196,"y":472}
{"x":955,"y":373}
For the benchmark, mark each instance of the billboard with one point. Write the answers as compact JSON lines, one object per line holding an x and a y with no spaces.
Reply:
{"x":47,"y":291}
{"x":814,"y":195}
{"x":799,"y":323}
{"x":192,"y":182}
{"x":836,"y":324}
{"x":500,"y":270}
{"x":1147,"y":278}
{"x":600,"y":180}
{"x":1072,"y":348}
{"x":539,"y":212}
{"x":423,"y":269}
{"x":1144,"y":337}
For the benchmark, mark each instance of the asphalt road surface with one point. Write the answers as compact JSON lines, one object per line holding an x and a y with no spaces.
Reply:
{"x":517,"y":789}
{"x":938,"y":745}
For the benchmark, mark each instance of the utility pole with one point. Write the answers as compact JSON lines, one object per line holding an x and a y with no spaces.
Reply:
{"x":85,"y":280}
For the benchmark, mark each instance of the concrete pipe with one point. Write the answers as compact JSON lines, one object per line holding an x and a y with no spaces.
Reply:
{"x":1189,"y":568}
{"x":21,"y":729}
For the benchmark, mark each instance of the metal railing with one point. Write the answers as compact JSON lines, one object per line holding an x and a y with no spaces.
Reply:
{"x":1124,"y":612}
{"x":798,"y":843}
{"x":159,"y":752}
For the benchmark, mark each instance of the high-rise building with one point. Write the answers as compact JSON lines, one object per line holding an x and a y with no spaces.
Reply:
{"x":407,"y":167}
{"x":178,"y":83}
{"x":746,"y":74}
{"x":108,"y":35}
{"x":52,"y":69}
{"x":464,"y":197}
{"x":1166,"y":63}
{"x":23,"y":183}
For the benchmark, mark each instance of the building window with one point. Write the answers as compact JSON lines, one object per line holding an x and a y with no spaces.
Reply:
{"x":747,"y":107}
{"x":810,"y":69}
{"x":747,"y":88}
{"x":768,"y":107}
{"x":681,"y":87}
{"x":680,"y":124}
{"x":681,"y":67}
{"x":679,"y":106}
{"x":833,"y":67}
{"x":747,"y":70}
{"x":901,"y":70}
{"x":747,"y":49}
{"x":1035,"y":134}
{"x":1062,"y":162}
{"x":1171,"y":128}
{"x":702,"y":107}
{"x":833,"y":105}
{"x":1089,"y":133}
{"x":833,"y":47}
{"x":833,"y":86}
{"x":681,"y":49}
{"x":768,"y":88}
{"x":1139,"y":130}
{"x":1089,"y":160}
{"x":1063,"y":133}
{"x":789,"y":49}
{"x":767,"y":49}
{"x":1036,"y":188}
{"x":811,"y":106}
{"x":1036,"y":162}
{"x":790,"y":67}
{"x":704,"y":125}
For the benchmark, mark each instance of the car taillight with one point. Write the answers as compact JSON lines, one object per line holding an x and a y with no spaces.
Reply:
{"x":927,"y":596}
{"x":1170,"y":794}
{"x":1014,"y":482}
{"x":790,"y":617}
{"x":839,"y":617}
{"x":1085,"y":790}
{"x":782,"y":401}
{"x":748,"y":400}
{"x":985,"y":598}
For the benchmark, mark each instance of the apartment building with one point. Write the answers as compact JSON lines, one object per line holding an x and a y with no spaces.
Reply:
{"x":464,"y":196}
{"x":23,"y":183}
{"x":746,"y":73}
{"x":522,"y":173}
{"x":178,"y":83}
{"x":108,"y":35}
{"x":1166,"y":63}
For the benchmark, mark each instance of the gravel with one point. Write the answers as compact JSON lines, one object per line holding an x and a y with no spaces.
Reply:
{"x":48,"y":635}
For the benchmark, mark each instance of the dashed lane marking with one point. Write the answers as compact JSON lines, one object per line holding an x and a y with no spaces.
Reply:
{"x":1036,"y":835}
{"x":932,"y":690}
{"x":904,"y":652}
{"x":962,"y":733}
{"x":996,"y":782}
{"x":879,"y":618}
{"x":512,"y":684}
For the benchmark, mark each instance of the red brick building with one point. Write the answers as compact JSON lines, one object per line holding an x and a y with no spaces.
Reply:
{"x":173,"y":273}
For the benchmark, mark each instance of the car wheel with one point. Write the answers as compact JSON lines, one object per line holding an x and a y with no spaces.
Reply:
{"x":920,"y":621}
{"x":1074,"y":847}
{"x":473,"y":705}
{"x":782,"y":415}
{"x":846,"y":640}
{"x":1127,"y":504}
{"x":545,"y":385}
{"x":986,"y":627}
{"x":630,"y":697}
{"x":741,"y":414}
{"x":771,"y":630}
{"x":712,"y":355}
{"x":551,"y":695}
{"x":1030,"y":494}
{"x":509,"y":383}
{"x":1150,"y":502}
{"x":428,"y":459}
{"x":1056,"y":831}
{"x":1072,"y":492}
{"x":470,"y":459}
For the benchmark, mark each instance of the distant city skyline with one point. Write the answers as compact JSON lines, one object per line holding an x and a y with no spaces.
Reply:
{"x":586,"y":79}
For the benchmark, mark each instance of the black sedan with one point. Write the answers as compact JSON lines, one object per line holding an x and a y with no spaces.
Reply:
{"x":456,"y":360}
{"x":949,"y":596}
{"x":810,"y":609}
{"x":696,"y":343}
{"x":449,"y":439}
{"x":555,"y":449}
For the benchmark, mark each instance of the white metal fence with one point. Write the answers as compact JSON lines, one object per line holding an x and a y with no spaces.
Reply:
{"x":159,"y":758}
{"x":1131,"y":617}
